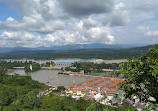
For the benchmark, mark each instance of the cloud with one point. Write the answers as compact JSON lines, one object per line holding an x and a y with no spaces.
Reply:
{"x":119,"y":16}
{"x":60,"y":22}
{"x":100,"y":34}
{"x":86,"y":7}
{"x":46,"y":8}
{"x":146,"y":5}
{"x":148,"y":31}
{"x":81,"y":32}
{"x":143,"y":10}
{"x":33,"y":25}
{"x":50,"y":38}
{"x":95,"y":34}
{"x":153,"y":34}
{"x":34,"y":15}
{"x":13,"y":39}
{"x":89,"y":22}
{"x":25,"y":39}
{"x":80,"y":35}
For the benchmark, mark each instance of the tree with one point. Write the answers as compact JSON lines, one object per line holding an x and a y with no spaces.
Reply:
{"x":30,"y":100}
{"x":2,"y":71}
{"x":60,"y":88}
{"x":7,"y":95}
{"x":142,"y":75}
{"x":51,"y":103}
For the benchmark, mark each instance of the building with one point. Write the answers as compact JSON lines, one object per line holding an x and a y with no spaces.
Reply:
{"x":63,"y":63}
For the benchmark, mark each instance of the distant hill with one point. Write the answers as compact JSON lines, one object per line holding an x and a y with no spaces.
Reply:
{"x":66,"y":47}
{"x":103,"y":53}
{"x":142,"y":48}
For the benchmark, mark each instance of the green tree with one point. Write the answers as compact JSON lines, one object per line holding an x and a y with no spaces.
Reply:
{"x":12,"y":108}
{"x":30,"y":100}
{"x":2,"y":70}
{"x":61,"y":88}
{"x":51,"y":103}
{"x":142,"y":75}
{"x":7,"y":95}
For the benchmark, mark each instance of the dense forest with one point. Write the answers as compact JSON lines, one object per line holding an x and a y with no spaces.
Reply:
{"x":18,"y":92}
{"x":82,"y":54}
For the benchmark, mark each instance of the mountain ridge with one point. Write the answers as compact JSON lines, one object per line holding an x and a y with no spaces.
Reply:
{"x":4,"y":50}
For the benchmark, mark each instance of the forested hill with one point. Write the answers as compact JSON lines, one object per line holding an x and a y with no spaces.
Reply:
{"x":144,"y":48}
{"x":103,"y":53}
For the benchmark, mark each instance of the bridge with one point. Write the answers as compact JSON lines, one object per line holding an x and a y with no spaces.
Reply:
{"x":43,"y":68}
{"x":18,"y":67}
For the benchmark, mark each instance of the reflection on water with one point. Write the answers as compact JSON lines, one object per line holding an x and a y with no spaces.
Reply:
{"x":52,"y":77}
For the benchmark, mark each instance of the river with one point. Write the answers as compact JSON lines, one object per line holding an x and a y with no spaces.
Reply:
{"x":51,"y":77}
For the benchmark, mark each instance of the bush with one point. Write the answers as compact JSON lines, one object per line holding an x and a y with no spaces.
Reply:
{"x":61,"y":88}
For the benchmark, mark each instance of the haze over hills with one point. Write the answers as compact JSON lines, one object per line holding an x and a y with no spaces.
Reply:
{"x":87,"y":51}
{"x":4,"y":50}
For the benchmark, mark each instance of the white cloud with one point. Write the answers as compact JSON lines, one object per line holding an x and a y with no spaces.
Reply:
{"x":148,"y":31}
{"x":10,"y":19}
{"x":120,"y":6}
{"x":33,"y":25}
{"x":35,"y":15}
{"x":94,"y":34}
{"x":101,"y":34}
{"x":118,"y":17}
{"x":49,"y":38}
{"x":59,"y":22}
{"x":153,"y":34}
{"x":25,"y":39}
{"x":89,"y":22}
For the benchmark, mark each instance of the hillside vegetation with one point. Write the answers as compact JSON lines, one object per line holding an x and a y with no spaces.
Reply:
{"x":82,"y":53}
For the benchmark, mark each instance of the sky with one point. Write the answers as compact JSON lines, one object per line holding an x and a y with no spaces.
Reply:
{"x":36,"y":23}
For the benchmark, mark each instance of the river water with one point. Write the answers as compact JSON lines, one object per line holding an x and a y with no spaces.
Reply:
{"x":51,"y":77}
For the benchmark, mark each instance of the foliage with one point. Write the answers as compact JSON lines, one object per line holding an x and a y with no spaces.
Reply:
{"x":35,"y":67}
{"x":142,"y":75}
{"x":90,"y":67}
{"x":30,"y":100}
{"x":149,"y":108}
{"x":4,"y":66}
{"x":7,"y":95}
{"x":47,"y":64}
{"x":61,"y":88}
{"x":55,"y":103}
{"x":18,"y":92}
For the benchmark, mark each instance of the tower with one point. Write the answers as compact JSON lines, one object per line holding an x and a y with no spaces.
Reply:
{"x":31,"y":67}
{"x":74,"y":83}
{"x":51,"y":66}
